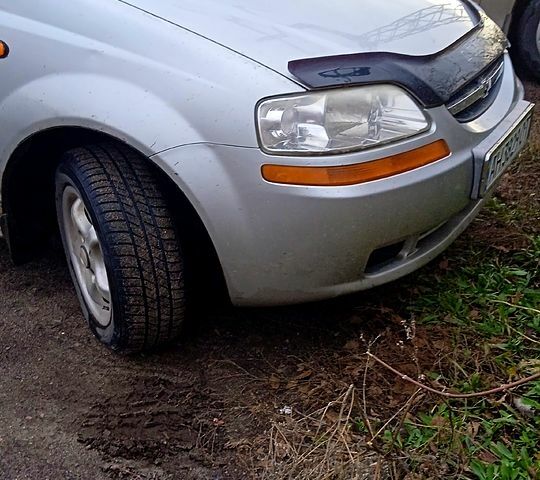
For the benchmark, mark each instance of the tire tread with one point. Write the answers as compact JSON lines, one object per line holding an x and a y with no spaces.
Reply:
{"x":140,"y":236}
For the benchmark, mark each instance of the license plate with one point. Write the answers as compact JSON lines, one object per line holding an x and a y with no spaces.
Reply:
{"x":505,"y":151}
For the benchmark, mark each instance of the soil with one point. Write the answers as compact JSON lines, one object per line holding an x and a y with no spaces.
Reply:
{"x":69,"y":409}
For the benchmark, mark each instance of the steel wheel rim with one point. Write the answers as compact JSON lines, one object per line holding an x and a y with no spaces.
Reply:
{"x":86,"y":255}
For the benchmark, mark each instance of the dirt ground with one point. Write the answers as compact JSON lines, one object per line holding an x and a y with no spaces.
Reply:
{"x":69,"y":409}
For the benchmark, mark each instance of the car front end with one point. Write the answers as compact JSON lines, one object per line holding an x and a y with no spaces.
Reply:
{"x":326,"y":150}
{"x":364,"y":177}
{"x":308,"y":149}
{"x":280,"y":243}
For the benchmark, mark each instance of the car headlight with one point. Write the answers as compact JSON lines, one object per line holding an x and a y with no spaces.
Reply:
{"x":337,"y":121}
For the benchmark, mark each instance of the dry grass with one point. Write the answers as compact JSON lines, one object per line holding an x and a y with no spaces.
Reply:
{"x":322,"y":445}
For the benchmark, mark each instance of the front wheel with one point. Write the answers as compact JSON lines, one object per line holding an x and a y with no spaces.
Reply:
{"x":526,"y":38}
{"x":121,"y":246}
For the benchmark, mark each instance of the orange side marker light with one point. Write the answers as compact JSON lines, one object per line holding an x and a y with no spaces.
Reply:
{"x":334,"y":176}
{"x":4,"y":49}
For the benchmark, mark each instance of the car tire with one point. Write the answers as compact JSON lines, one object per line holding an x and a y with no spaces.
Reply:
{"x":122,"y":247}
{"x":526,"y":38}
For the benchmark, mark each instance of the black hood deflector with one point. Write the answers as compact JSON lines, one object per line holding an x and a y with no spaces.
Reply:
{"x":432,"y":79}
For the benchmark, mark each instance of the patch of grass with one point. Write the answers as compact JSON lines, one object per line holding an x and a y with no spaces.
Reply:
{"x":490,"y":300}
{"x":511,"y":215}
{"x":487,"y":439}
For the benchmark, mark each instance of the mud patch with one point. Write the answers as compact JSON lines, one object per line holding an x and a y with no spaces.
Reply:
{"x":154,"y":420}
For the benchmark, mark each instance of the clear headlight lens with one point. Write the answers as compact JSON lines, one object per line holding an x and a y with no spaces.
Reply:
{"x":338,"y":120}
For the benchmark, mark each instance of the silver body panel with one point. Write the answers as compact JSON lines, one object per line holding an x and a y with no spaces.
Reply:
{"x":275,"y":32}
{"x":183,"y":91}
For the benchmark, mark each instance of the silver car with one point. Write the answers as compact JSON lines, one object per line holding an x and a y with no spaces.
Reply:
{"x":293,"y":151}
{"x":521,"y":21}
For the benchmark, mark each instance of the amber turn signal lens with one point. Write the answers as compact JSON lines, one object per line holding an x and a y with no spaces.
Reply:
{"x":336,"y":176}
{"x":4,"y":50}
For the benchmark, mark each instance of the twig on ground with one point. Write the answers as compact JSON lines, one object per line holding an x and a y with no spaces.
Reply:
{"x":364,"y":401}
{"x":242,"y":369}
{"x":519,"y":307}
{"x":522,"y":335}
{"x":408,"y":407}
{"x":405,"y":408}
{"x":485,"y":393}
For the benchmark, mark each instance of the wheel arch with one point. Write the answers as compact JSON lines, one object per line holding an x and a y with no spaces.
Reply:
{"x":29,"y":176}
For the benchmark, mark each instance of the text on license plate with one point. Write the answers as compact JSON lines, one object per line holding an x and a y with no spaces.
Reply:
{"x":504,"y":153}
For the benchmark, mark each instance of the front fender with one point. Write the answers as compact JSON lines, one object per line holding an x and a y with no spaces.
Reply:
{"x":124,"y":72}
{"x":109,"y":105}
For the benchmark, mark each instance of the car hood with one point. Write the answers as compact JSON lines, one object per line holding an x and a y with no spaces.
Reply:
{"x":277,"y":31}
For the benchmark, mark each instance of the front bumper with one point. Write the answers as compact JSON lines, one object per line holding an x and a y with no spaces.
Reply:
{"x":288,"y":244}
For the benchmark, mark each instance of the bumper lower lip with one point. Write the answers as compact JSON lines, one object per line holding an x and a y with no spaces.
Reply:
{"x":425,"y":250}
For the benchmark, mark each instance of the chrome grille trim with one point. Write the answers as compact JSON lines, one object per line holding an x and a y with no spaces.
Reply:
{"x":480,"y":89}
